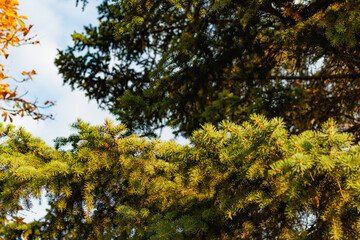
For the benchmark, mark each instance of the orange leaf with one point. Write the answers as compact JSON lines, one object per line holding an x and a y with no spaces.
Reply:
{"x":49,"y":102}
{"x":22,"y":24}
{"x":23,"y":17}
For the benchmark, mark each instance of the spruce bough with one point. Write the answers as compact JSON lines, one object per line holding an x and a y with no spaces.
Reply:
{"x":248,"y":181}
{"x":181,"y":63}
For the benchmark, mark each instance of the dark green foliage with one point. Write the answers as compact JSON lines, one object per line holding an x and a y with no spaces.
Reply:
{"x":249,"y":181}
{"x":183,"y":63}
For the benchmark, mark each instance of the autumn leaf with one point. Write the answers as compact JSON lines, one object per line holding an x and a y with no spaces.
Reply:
{"x":49,"y":102}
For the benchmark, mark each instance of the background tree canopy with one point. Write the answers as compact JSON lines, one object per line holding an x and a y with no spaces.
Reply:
{"x":183,"y":63}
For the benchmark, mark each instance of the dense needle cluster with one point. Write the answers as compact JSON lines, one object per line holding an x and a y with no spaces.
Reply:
{"x":249,"y":181}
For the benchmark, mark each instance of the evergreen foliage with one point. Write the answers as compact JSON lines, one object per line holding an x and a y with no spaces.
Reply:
{"x":248,"y":181}
{"x":182,"y":63}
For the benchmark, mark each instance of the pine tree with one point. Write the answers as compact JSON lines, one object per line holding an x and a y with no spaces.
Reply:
{"x":248,"y":181}
{"x":184,"y":63}
{"x":200,"y":61}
